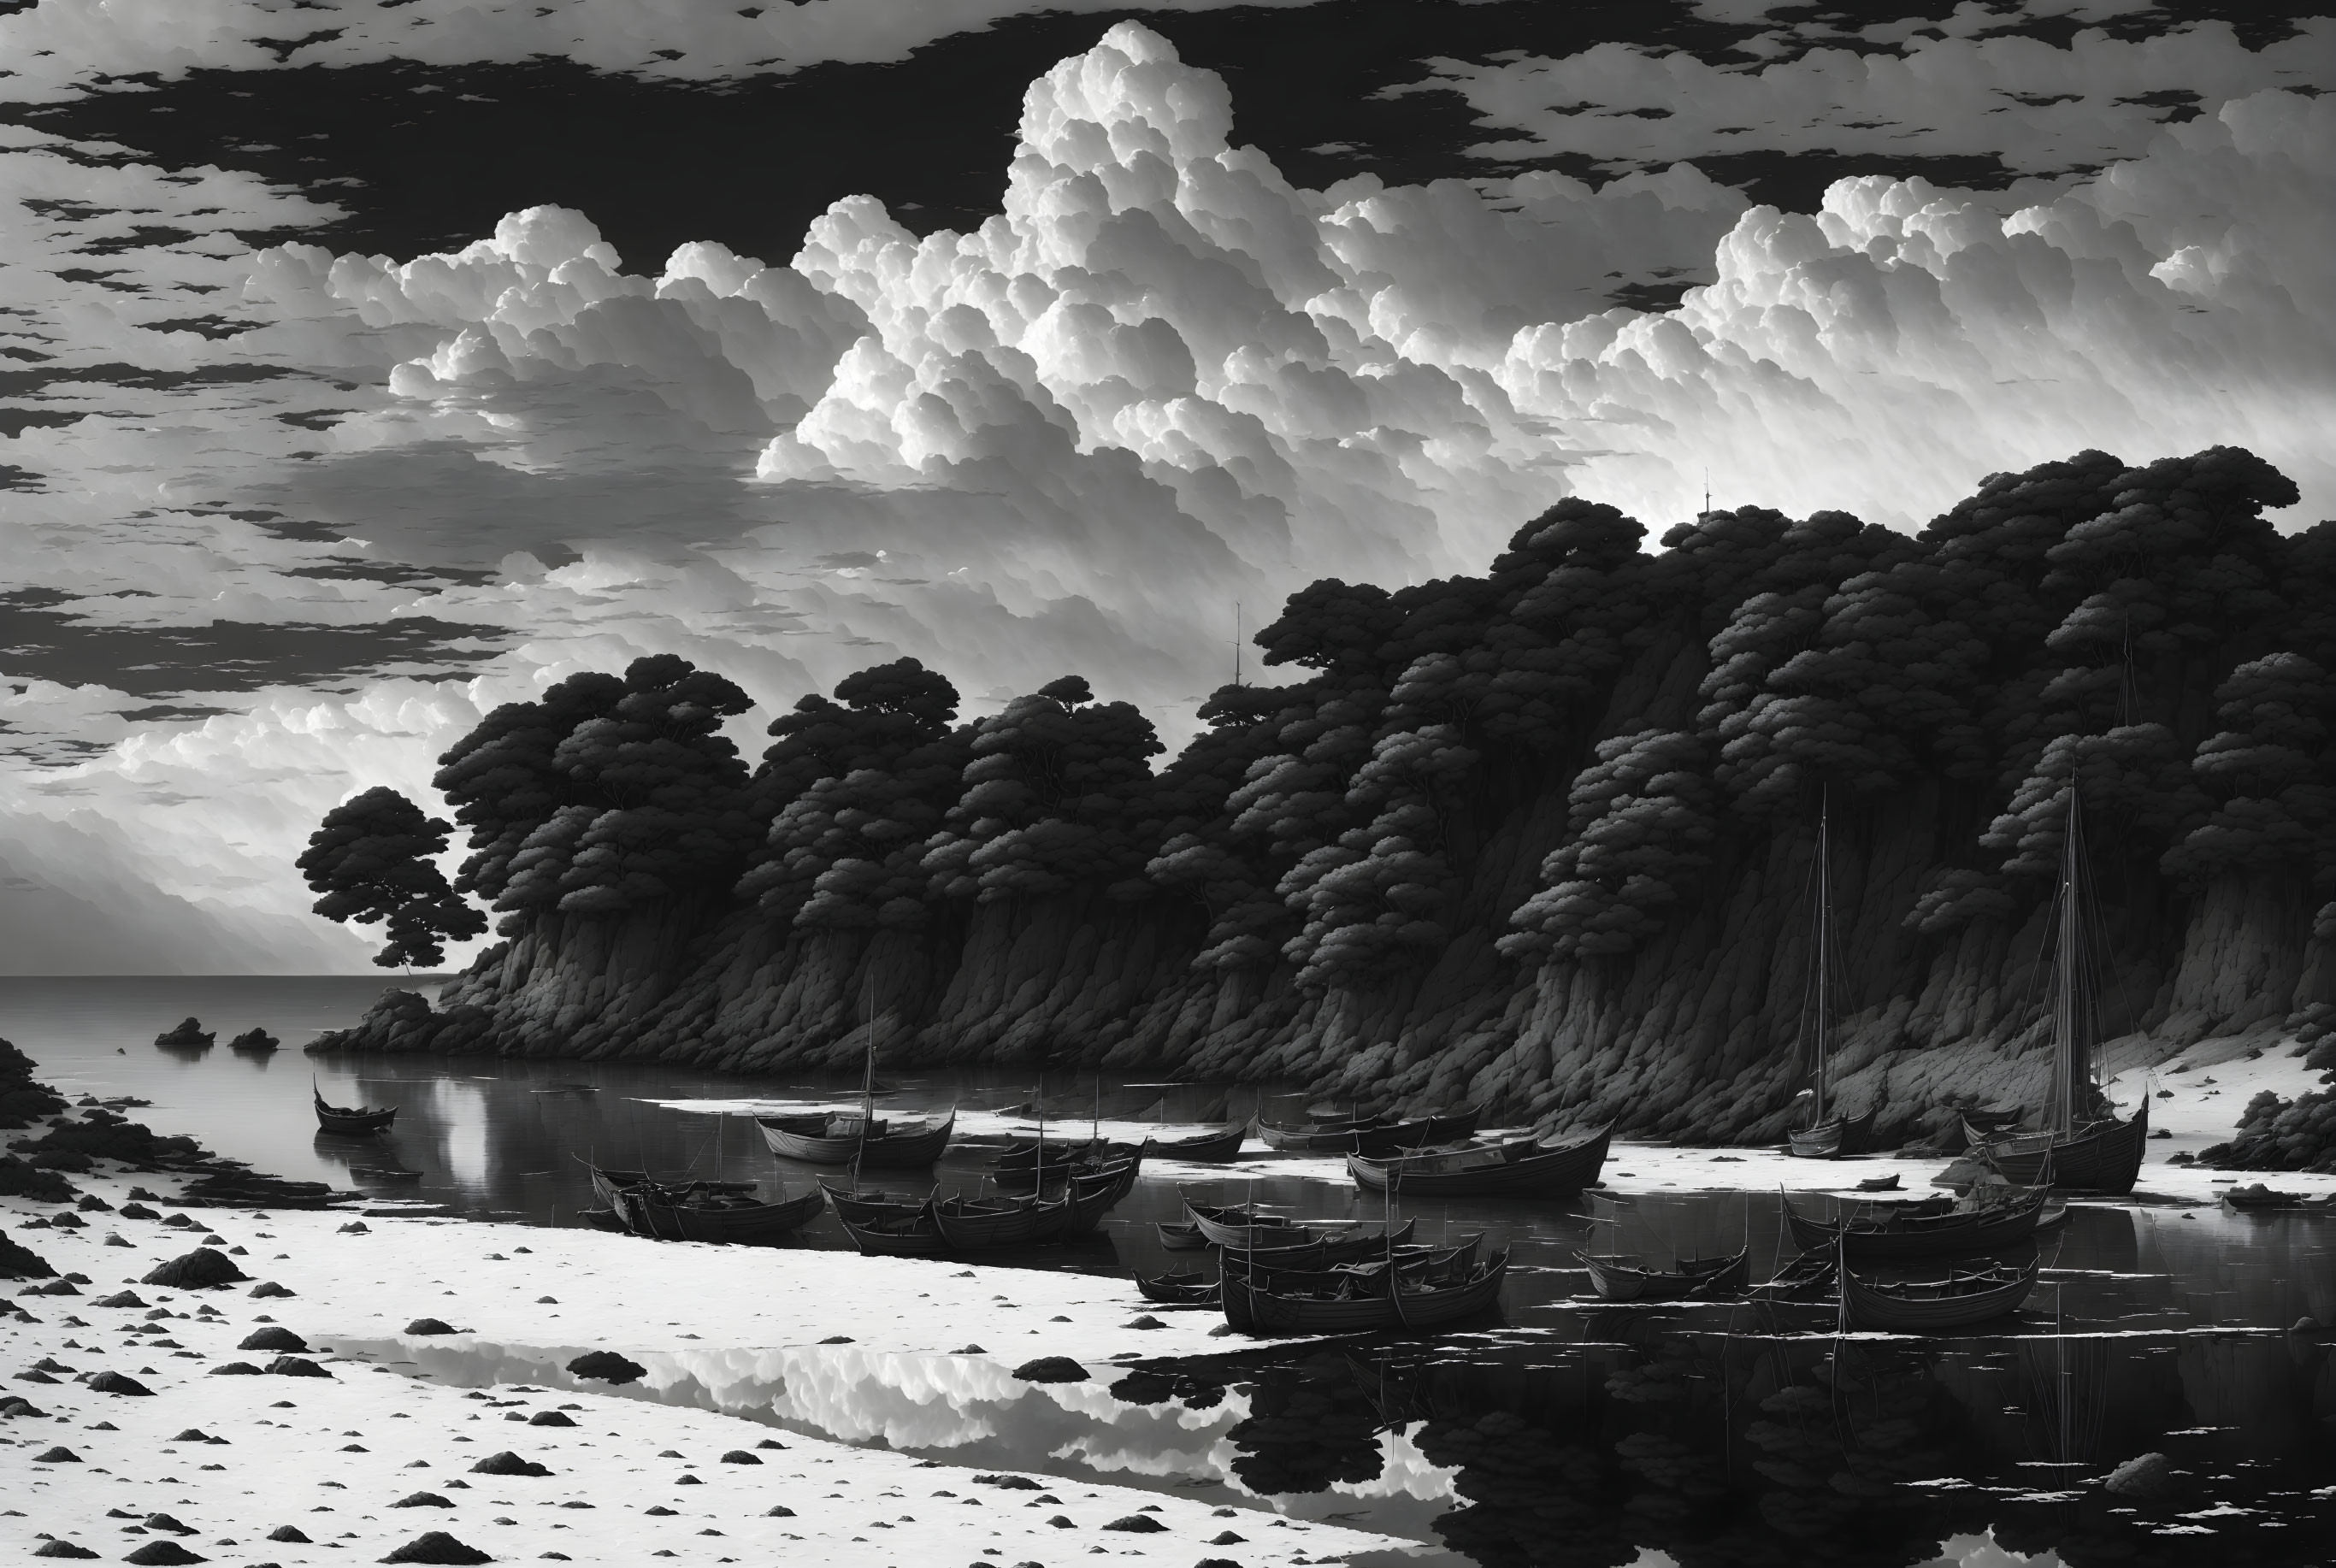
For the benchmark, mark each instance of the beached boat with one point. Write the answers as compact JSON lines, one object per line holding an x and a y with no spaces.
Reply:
{"x":351,"y":1118}
{"x":1378,"y":1136}
{"x":854,"y":1203}
{"x":1022,"y":1165}
{"x":695,"y":1213}
{"x":841,"y":1137}
{"x":1883,"y":1236}
{"x":1922,"y":1306}
{"x":1185,"y":1238}
{"x":1094,"y":1193}
{"x":608,"y":1183}
{"x":2081,"y":1145}
{"x":1243,"y":1228}
{"x":972,"y":1224}
{"x":1521,"y":1167}
{"x":1827,"y":1134}
{"x":1879,"y":1184}
{"x":1620,"y":1279}
{"x":1178,"y":1289}
{"x":1385,"y":1300}
{"x":913,"y":1236}
{"x":1307,"y":1265}
{"x":1207,"y":1149}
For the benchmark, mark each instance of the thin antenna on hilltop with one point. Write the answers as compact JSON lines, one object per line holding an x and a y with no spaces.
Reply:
{"x":1237,"y":642}
{"x":1707,"y":488}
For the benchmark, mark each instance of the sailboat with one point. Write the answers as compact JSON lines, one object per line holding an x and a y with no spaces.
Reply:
{"x":2082,"y":1146}
{"x":836,"y":1137}
{"x":1825,"y":1136}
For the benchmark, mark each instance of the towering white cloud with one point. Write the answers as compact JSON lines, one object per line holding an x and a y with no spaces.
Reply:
{"x":1160,"y":379}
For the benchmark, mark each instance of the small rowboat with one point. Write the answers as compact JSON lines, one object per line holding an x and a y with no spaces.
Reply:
{"x":1904,"y":1236}
{"x":351,"y":1118}
{"x":1181,"y":1238}
{"x":606,"y":1184}
{"x":972,"y":1224}
{"x":1021,"y":1165}
{"x":1178,"y":1289}
{"x":1695,"y":1278}
{"x":1879,"y":1183}
{"x":1385,"y":1300}
{"x":854,"y":1205}
{"x":1361,"y":1244}
{"x":1921,"y":1306}
{"x":1522,"y":1167}
{"x":840,"y":1137}
{"x":1095,"y":1193}
{"x":1207,"y":1149}
{"x":1377,"y":1136}
{"x":1245,"y":1228}
{"x":914,"y":1237}
{"x":1277,"y":1269}
{"x":693,"y":1214}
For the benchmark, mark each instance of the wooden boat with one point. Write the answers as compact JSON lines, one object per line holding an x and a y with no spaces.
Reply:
{"x":1922,"y":1306}
{"x":351,"y":1118}
{"x":1523,"y":1168}
{"x":2081,"y":1145}
{"x":1181,"y":1238}
{"x":1809,"y":1277}
{"x":836,"y":1138}
{"x":1827,"y":1134}
{"x":383,"y":1173}
{"x":852,"y":1204}
{"x":1324,"y":1135}
{"x":1244,"y":1227}
{"x":915,"y":1236}
{"x":607,"y":1184}
{"x":1300,"y":1268}
{"x":1385,"y":1300}
{"x":1178,"y":1289}
{"x":1361,"y":1244}
{"x":1879,"y":1184}
{"x":602,"y":1220}
{"x":1695,"y":1278}
{"x":695,"y":1213}
{"x":1095,"y":1193}
{"x":1207,"y":1149}
{"x":972,"y":1224}
{"x":1886,"y":1237}
{"x":1023,"y":1165}
{"x":1376,"y":1135}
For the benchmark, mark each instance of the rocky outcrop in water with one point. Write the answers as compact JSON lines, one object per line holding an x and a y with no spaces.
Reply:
{"x":1542,"y":840}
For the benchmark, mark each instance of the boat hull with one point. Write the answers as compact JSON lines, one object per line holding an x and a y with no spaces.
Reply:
{"x":1696,"y":1279}
{"x":356,"y":1119}
{"x":1898,"y":1239}
{"x":1932,"y":1306}
{"x":1252,"y":1306}
{"x":1237,"y":1229}
{"x":913,"y":1148}
{"x":1831,"y":1138}
{"x":914,"y":1237}
{"x":967,"y":1226}
{"x":1545,"y":1174}
{"x":2103,"y":1158}
{"x":1209,"y":1149}
{"x":648,"y":1211}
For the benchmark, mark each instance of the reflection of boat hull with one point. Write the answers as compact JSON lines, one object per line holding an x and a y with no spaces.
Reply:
{"x":1543,"y":1172}
{"x":1900,"y":1237}
{"x":1696,"y":1279}
{"x":2104,"y":1158}
{"x":1834,"y":1136}
{"x":1917,"y":1307}
{"x":907,"y":1146}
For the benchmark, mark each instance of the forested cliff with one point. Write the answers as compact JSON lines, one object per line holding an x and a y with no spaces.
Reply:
{"x":1543,"y":838}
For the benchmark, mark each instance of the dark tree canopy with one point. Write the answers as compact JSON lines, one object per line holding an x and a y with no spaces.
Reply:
{"x":373,"y":859}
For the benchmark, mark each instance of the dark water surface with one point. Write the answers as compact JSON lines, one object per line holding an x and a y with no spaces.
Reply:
{"x":1567,"y":1434}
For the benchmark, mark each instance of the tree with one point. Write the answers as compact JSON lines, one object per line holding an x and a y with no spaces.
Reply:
{"x":373,"y":858}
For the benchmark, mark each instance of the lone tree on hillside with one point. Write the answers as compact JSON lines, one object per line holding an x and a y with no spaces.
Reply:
{"x":373,"y":860}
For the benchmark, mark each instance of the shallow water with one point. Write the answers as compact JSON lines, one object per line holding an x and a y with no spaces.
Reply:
{"x":1568,"y":1434}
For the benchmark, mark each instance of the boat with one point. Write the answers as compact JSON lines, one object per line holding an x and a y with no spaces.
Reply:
{"x":607,"y":1184}
{"x":696,"y":1213}
{"x":1307,"y":1264}
{"x":1324,"y":1135}
{"x":851,"y":1204}
{"x":1827,"y":1134}
{"x":1245,"y":1228}
{"x":1920,"y":1306}
{"x":1181,"y":1238}
{"x":1809,"y":1277}
{"x":351,"y":1118}
{"x":841,"y":1137}
{"x":2082,"y":1146}
{"x":1896,"y":1237}
{"x":1178,"y":1289}
{"x":1383,"y":1299}
{"x":1696,"y":1279}
{"x":1378,"y":1136}
{"x":383,"y":1173}
{"x":972,"y":1224}
{"x":1022,"y":1166}
{"x":1215,"y":1148}
{"x":914,"y":1236}
{"x":1522,"y":1167}
{"x":1094,"y":1193}
{"x":602,"y":1220}
{"x":1879,"y":1184}
{"x":1360,"y":1243}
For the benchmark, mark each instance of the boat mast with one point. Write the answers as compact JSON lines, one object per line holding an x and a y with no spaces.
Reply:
{"x":2071,"y":1030}
{"x":867,"y":1079}
{"x":1824,"y":958}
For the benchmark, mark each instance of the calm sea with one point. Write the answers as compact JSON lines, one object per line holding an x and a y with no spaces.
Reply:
{"x":1713,"y":1436}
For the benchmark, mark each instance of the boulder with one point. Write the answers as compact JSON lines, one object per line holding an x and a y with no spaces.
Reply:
{"x":436,"y":1546}
{"x":295,"y":1367}
{"x":508,"y":1463}
{"x":2142,"y":1476}
{"x":116,"y":1383}
{"x":1051,"y":1369}
{"x":607,"y":1366}
{"x":272,"y":1337}
{"x":195,"y":1270}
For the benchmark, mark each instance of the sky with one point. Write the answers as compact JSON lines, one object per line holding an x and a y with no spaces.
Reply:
{"x":364,"y":364}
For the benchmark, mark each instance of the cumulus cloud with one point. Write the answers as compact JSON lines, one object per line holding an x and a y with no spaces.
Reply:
{"x":1161,"y":379}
